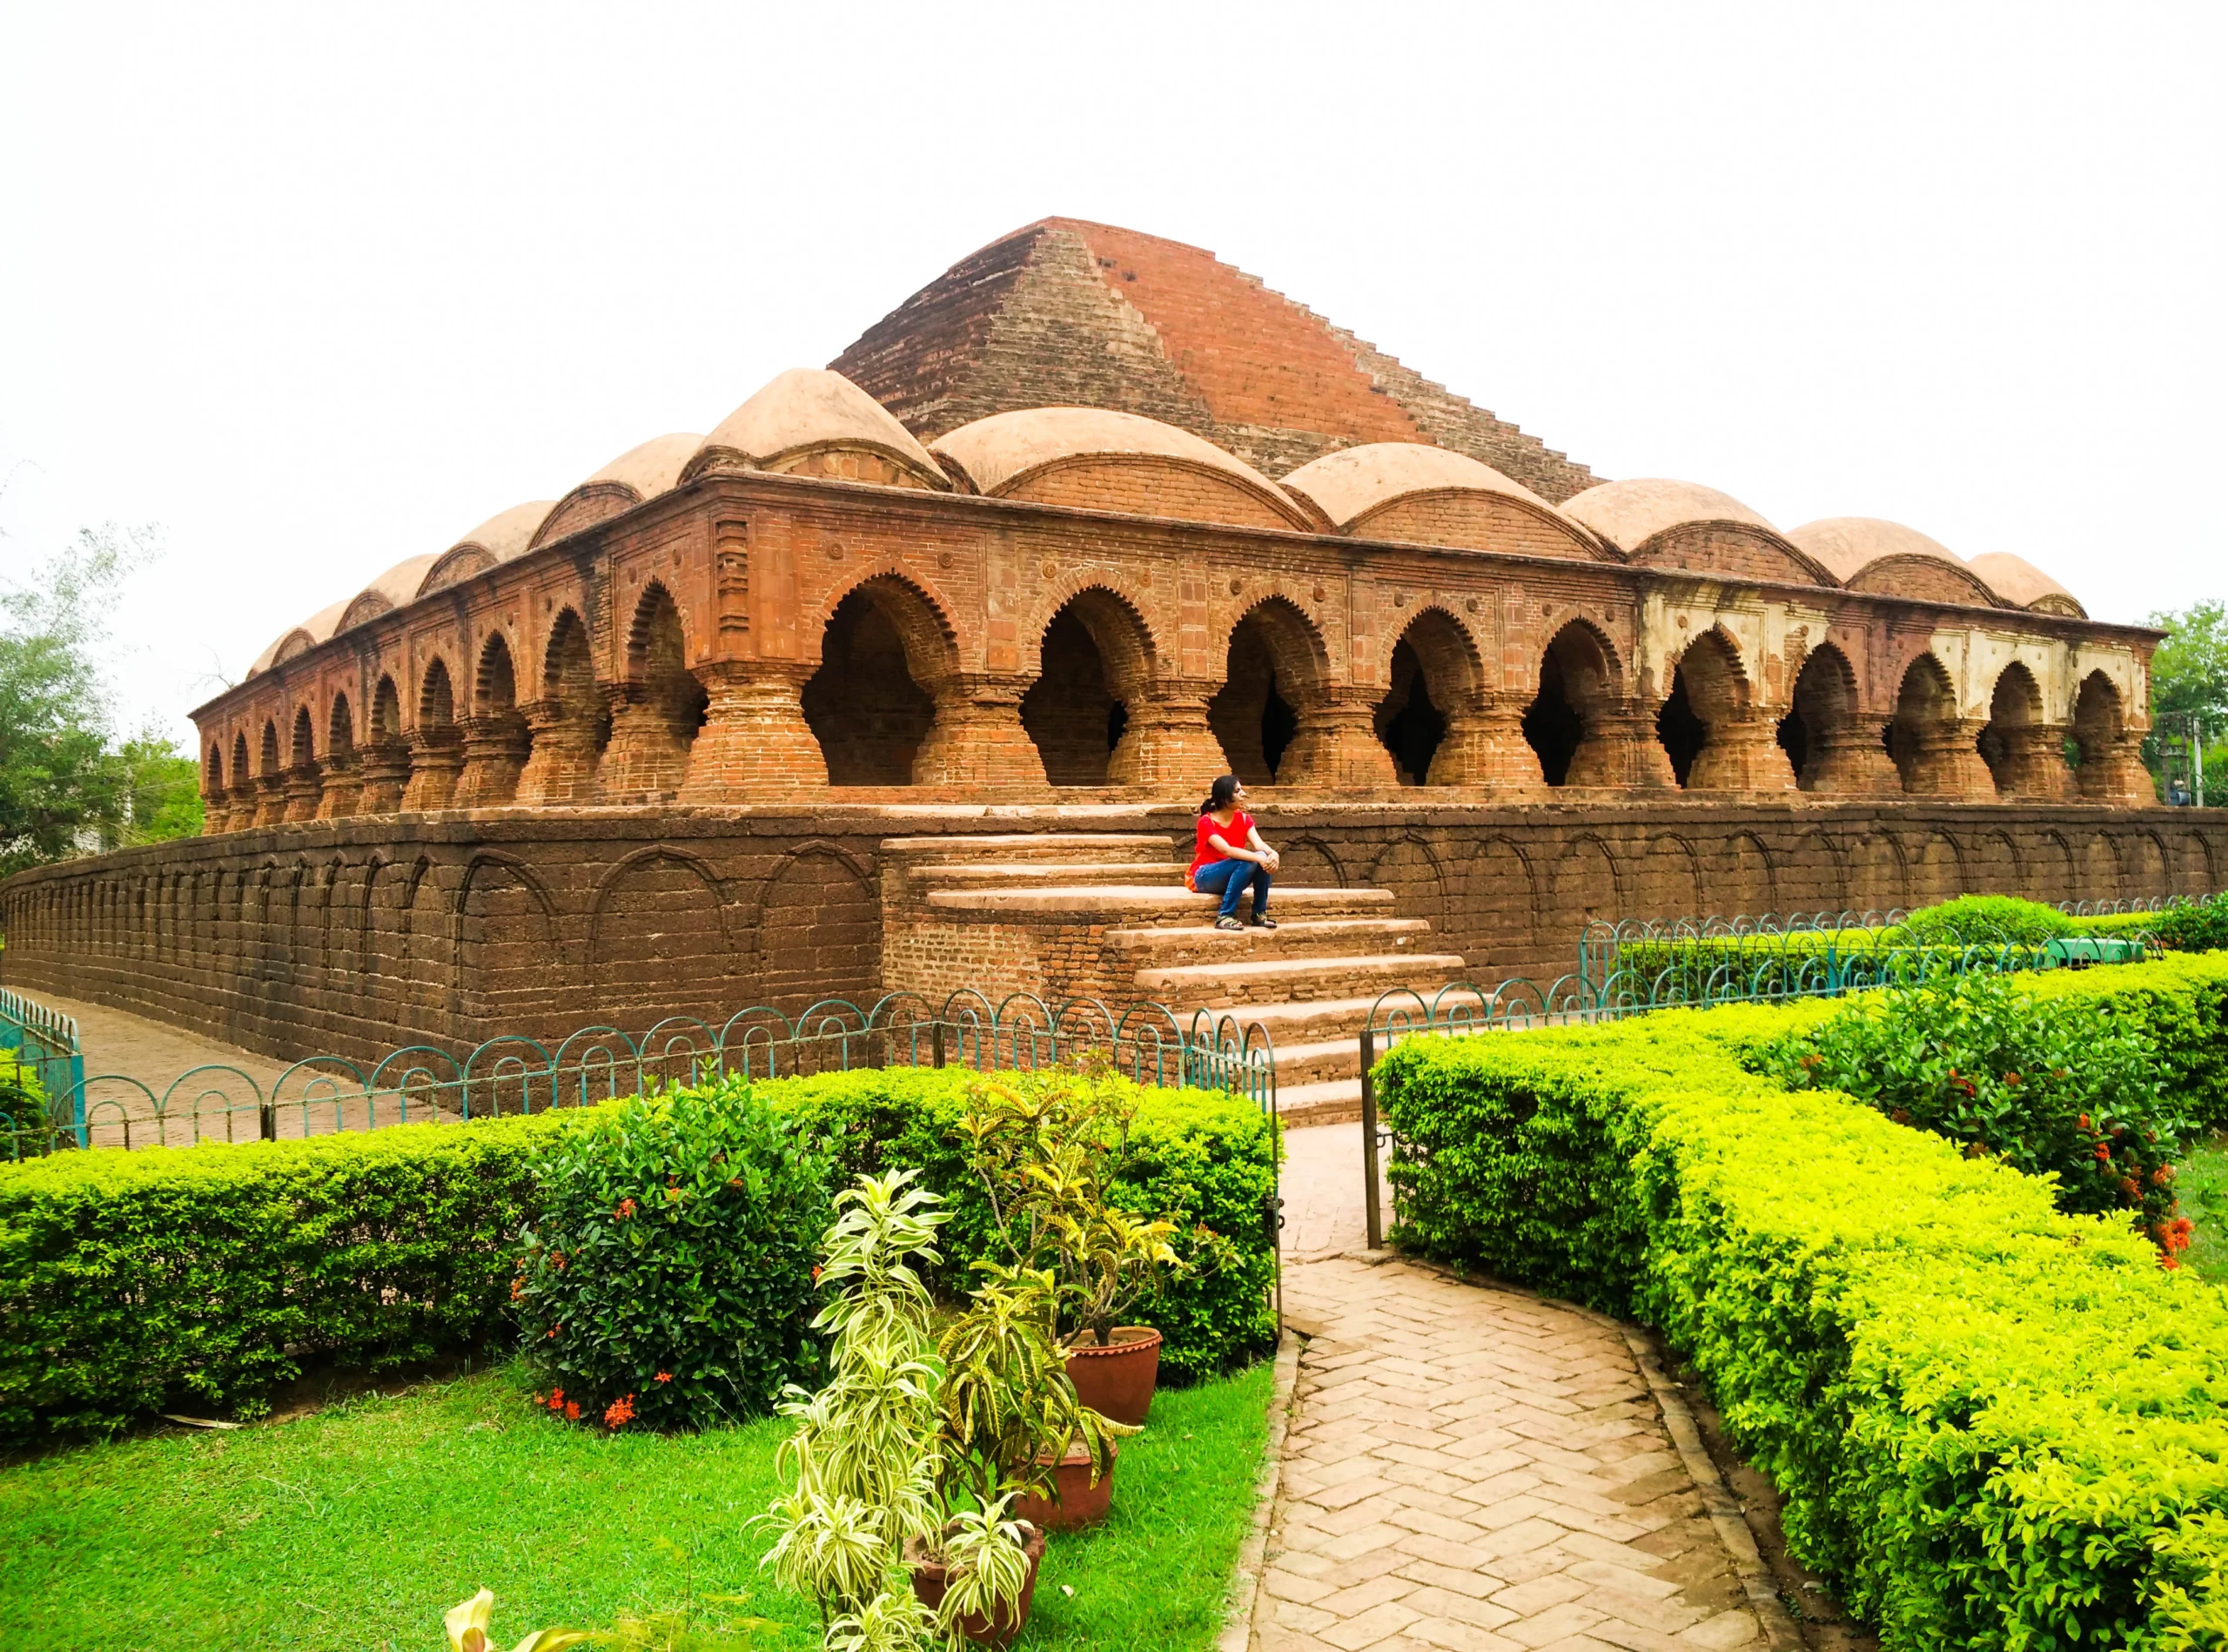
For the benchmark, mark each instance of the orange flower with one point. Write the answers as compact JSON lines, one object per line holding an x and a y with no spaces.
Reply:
{"x":572,"y":1411}
{"x":626,"y":1209}
{"x":556,"y":1399}
{"x":618,"y":1412}
{"x":664,"y":1376}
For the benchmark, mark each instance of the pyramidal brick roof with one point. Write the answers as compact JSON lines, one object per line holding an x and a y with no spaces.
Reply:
{"x":1067,"y":313}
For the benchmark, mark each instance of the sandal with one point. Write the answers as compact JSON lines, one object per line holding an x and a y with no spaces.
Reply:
{"x":1228,"y":924}
{"x":1260,"y":923}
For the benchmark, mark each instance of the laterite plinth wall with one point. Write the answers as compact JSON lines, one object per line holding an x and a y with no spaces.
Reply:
{"x":358,"y":935}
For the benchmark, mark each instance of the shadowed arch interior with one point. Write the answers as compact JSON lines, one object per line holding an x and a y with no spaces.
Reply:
{"x":386,"y":712}
{"x":303,"y":747}
{"x":212,"y":771}
{"x":1708,"y":691}
{"x":341,"y":727}
{"x":1095,"y":657}
{"x":871,"y":703}
{"x":436,"y":698}
{"x":1823,"y":709}
{"x":657,"y":660}
{"x":568,"y":667}
{"x":1274,"y":671}
{"x":270,"y":763}
{"x":1925,"y":702}
{"x":239,"y":759}
{"x":2097,"y":721}
{"x":2015,"y":708}
{"x":1577,"y":684}
{"x":1434,"y":669}
{"x":495,"y":685}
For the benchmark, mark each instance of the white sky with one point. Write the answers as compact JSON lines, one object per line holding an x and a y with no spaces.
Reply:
{"x":319,"y":288}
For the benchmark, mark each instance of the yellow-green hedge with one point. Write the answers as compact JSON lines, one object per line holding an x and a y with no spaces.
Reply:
{"x":1995,"y":1426}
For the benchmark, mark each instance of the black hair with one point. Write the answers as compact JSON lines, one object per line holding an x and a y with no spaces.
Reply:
{"x":1222,"y":795}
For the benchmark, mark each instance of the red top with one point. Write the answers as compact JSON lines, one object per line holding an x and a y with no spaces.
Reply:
{"x":1204,"y":853}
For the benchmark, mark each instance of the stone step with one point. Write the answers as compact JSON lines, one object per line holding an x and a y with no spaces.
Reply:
{"x":1067,"y":846}
{"x":943,"y":874}
{"x":1165,"y":945}
{"x":1139,"y":905}
{"x":1337,"y":1055}
{"x":1266,"y":982}
{"x":1303,"y":1022}
{"x":1332,"y":1101}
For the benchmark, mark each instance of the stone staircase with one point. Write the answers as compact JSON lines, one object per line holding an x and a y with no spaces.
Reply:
{"x":1105,"y":915}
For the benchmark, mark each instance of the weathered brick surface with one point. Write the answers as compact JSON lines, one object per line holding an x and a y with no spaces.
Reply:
{"x":363,"y":934}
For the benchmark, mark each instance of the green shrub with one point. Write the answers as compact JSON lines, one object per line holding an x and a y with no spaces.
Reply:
{"x":24,"y":1130}
{"x":666,"y":1274}
{"x":1995,"y":1425}
{"x":1986,"y":920}
{"x":1203,"y":1160}
{"x":197,"y":1278}
{"x":2057,"y":1086}
{"x":136,"y":1281}
{"x":2194,"y":926}
{"x":2181,"y":1002}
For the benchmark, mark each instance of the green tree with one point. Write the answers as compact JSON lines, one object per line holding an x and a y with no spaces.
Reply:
{"x":2189,"y":674}
{"x":68,"y":784}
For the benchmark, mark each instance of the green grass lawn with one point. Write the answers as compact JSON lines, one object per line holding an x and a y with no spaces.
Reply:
{"x":2201,"y":1184}
{"x":357,"y":1527}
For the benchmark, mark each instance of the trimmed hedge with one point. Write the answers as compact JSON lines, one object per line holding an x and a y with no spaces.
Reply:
{"x":138,"y":1281}
{"x":1203,"y":1159}
{"x":1995,"y":1426}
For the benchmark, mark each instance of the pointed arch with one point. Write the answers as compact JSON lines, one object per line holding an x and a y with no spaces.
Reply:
{"x":1097,"y":657}
{"x":1276,"y":668}
{"x":1435,"y":669}
{"x":569,"y":665}
{"x":1581,"y":682}
{"x":1821,"y":725}
{"x":495,"y":685}
{"x":436,"y":697}
{"x":886,"y":650}
{"x":386,"y":712}
{"x":340,"y":726}
{"x":302,"y":748}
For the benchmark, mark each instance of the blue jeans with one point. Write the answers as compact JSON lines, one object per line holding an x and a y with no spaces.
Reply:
{"x":1231,"y":879}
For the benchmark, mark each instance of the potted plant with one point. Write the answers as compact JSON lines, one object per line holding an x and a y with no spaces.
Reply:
{"x":865,"y":1507}
{"x":1013,"y":1426}
{"x":1046,"y":1154}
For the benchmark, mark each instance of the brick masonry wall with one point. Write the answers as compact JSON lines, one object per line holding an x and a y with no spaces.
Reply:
{"x":357,"y":937}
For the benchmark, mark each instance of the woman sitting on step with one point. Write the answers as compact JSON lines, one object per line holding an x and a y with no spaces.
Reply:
{"x":1230,"y":856}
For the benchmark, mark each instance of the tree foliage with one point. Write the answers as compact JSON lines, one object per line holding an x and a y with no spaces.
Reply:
{"x":69,"y":781}
{"x":2189,"y":674}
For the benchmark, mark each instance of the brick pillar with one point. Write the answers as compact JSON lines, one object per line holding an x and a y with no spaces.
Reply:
{"x":302,"y":791}
{"x":647,"y":758}
{"x":270,"y":799}
{"x":1618,"y":747}
{"x":233,"y":808}
{"x":385,"y":770}
{"x":754,"y":740}
{"x":1742,"y":754}
{"x":560,"y":755}
{"x":1949,"y":762}
{"x":977,"y":739}
{"x":1336,"y":746}
{"x":435,"y":757}
{"x":2034,"y":763}
{"x":1850,"y":762}
{"x":1166,"y":744}
{"x":2111,"y":771}
{"x":343,"y":788}
{"x":494,"y":753}
{"x":1485,"y":744}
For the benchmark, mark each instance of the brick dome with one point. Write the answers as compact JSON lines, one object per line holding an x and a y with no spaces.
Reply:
{"x":502,"y":536}
{"x":804,"y":414}
{"x":1018,"y":454}
{"x":300,"y":639}
{"x":640,"y":474}
{"x":2025,"y":586}
{"x":399,"y":585}
{"x":1630,"y":513}
{"x":1867,"y":554}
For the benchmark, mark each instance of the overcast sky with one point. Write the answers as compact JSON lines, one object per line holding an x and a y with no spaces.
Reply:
{"x":319,"y":288}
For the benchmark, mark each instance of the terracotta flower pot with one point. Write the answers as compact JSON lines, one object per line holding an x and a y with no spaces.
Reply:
{"x":1118,"y":1380}
{"x":930,"y":1583}
{"x":1079,"y":1502}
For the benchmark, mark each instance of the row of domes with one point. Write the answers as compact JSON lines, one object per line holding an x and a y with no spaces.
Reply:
{"x":815,"y":422}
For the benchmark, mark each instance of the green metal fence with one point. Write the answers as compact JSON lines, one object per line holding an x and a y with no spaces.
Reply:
{"x":42,"y":1044}
{"x":515,"y":1074}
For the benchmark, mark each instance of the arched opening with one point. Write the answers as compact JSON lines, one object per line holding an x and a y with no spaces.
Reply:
{"x":340,"y":727}
{"x":1434,"y":673}
{"x":568,"y":670}
{"x":2098,"y":730}
{"x":1274,"y":673}
{"x":657,"y":657}
{"x":386,"y":713}
{"x":1095,"y":659}
{"x":867,"y":705}
{"x":1709,"y":693}
{"x":213,"y":773}
{"x":495,"y":687}
{"x":1820,"y":723}
{"x":270,"y":763}
{"x":436,"y":699}
{"x":2010,"y":744}
{"x":1562,"y":724}
{"x":239,"y":760}
{"x":303,"y":748}
{"x":1926,"y":705}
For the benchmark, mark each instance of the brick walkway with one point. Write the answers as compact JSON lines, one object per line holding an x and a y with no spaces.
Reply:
{"x":1471,"y":1469}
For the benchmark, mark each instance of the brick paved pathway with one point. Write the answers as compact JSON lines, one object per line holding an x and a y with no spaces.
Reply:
{"x":1471,"y":1469}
